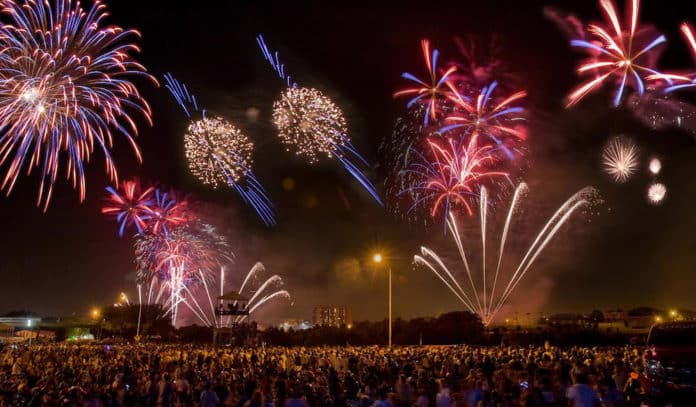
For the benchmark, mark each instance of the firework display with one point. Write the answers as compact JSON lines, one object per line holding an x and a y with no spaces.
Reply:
{"x":176,"y":254}
{"x":468,"y":131}
{"x":480,"y":293}
{"x":622,"y":56}
{"x":312,"y":125}
{"x":65,"y":83}
{"x":620,"y":159}
{"x":471,"y":135}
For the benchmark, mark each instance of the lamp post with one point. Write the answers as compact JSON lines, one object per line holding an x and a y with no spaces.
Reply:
{"x":377,"y":258}
{"x":29,"y":325}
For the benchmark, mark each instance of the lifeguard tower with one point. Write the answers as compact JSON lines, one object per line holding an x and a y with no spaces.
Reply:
{"x":231,"y":310}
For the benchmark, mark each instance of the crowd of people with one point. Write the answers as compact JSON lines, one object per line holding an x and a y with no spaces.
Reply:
{"x":164,"y":375}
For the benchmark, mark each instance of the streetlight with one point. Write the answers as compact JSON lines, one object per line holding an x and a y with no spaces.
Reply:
{"x":377,"y":258}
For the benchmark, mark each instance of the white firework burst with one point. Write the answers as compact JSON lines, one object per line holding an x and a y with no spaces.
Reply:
{"x":620,"y":159}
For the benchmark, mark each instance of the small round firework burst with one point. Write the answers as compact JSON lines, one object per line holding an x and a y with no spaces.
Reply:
{"x":217,"y":152}
{"x":656,"y":193}
{"x":309,"y":123}
{"x":620,"y":159}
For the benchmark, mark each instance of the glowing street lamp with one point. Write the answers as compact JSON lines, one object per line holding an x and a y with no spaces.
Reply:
{"x":377,"y":258}
{"x":95,"y":313}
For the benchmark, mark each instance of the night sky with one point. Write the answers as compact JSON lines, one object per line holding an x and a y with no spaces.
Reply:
{"x":626,"y":253}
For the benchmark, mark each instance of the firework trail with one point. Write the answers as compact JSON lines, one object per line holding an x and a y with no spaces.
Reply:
{"x":219,"y":154}
{"x":461,"y":116}
{"x":490,"y":119}
{"x":129,"y":205}
{"x":616,"y":54}
{"x":274,"y":60}
{"x":620,"y":159}
{"x":428,"y":93}
{"x":313,"y":126}
{"x":488,"y":301}
{"x":65,"y":83}
{"x":451,"y":176}
{"x":680,"y":81}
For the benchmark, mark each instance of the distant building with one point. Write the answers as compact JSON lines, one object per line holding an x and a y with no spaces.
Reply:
{"x":332,"y":316}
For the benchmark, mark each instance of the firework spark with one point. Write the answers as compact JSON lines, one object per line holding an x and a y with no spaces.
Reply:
{"x":656,"y":193}
{"x":480,"y":293}
{"x":620,"y":159}
{"x":493,"y":120}
{"x":65,"y":81}
{"x":430,"y":93}
{"x":451,"y":176}
{"x":129,"y":205}
{"x":220,"y":154}
{"x":616,"y":56}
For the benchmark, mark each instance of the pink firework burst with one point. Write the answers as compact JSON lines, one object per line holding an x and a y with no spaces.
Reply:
{"x":129,"y":205}
{"x":617,"y":54}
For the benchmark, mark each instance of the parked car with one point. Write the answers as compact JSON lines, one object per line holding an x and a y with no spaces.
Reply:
{"x":670,"y":361}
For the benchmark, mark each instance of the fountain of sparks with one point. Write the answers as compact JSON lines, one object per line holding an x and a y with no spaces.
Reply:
{"x":478,"y":293}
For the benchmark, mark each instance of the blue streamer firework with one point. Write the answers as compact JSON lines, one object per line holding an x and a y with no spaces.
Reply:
{"x":313,"y":126}
{"x":219,"y":154}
